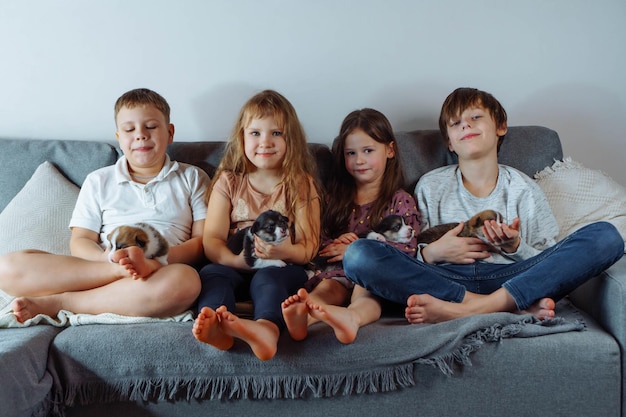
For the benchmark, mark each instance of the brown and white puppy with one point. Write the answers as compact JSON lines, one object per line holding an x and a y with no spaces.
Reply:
{"x":472,"y":228}
{"x":143,"y":235}
{"x":272,"y":227}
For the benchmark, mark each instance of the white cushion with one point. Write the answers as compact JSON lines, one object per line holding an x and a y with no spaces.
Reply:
{"x":39,"y":215}
{"x":579,"y":196}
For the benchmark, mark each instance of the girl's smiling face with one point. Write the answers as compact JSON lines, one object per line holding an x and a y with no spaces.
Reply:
{"x":366,"y":159}
{"x":264,"y":144}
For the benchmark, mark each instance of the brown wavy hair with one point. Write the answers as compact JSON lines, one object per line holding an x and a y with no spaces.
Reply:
{"x":342,"y":187}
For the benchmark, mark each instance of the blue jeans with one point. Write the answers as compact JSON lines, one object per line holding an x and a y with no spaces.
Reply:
{"x":554,"y":273}
{"x":267,"y":287}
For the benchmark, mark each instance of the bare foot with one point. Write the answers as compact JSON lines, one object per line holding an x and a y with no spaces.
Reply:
{"x":296,"y":314}
{"x":542,"y":309}
{"x":25,"y":308}
{"x":424,"y":308}
{"x":207,"y":329}
{"x":261,"y":335}
{"x":344,"y":322}
{"x":132,"y":258}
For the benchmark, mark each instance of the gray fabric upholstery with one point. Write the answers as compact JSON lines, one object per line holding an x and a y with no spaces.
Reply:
{"x":75,"y":159}
{"x":568,"y":374}
{"x":318,"y":367}
{"x":25,"y":382}
{"x":421,"y":151}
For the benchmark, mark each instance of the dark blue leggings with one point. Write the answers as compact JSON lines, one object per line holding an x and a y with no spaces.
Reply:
{"x":267,"y":287}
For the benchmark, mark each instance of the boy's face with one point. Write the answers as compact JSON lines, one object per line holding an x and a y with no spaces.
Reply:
{"x":143,"y":136}
{"x":474,"y":133}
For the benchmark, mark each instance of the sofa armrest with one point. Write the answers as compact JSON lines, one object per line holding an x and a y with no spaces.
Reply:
{"x":604,"y":298}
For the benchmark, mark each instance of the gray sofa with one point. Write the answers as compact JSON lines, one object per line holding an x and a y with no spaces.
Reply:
{"x":491,"y":365}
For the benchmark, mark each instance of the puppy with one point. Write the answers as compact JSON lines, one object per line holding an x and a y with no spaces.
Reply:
{"x":143,"y":235}
{"x":472,"y":228}
{"x":272,"y":227}
{"x":392,"y":228}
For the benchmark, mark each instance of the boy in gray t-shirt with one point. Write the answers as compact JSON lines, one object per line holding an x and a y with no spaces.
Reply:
{"x":449,"y":278}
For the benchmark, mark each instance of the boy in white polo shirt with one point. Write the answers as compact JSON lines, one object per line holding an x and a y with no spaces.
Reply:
{"x":143,"y":186}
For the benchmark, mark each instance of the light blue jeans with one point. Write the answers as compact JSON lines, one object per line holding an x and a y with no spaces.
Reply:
{"x":554,"y":273}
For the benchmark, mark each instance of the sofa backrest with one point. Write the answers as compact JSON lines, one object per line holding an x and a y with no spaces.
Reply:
{"x":19,"y":158}
{"x":527,"y":148}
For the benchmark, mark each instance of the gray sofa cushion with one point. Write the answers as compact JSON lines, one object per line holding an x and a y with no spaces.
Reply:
{"x":75,"y":159}
{"x":25,"y":382}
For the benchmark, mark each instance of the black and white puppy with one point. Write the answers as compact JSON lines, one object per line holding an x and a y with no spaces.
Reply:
{"x":393,"y":229}
{"x":472,"y":228}
{"x":272,"y":227}
{"x":390,"y":229}
{"x":143,"y":235}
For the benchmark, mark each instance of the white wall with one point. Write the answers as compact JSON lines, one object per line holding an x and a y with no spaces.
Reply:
{"x":557,"y":63}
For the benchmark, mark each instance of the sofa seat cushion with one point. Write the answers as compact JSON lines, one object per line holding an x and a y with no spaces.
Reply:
{"x":26,"y":384}
{"x":162,"y":361}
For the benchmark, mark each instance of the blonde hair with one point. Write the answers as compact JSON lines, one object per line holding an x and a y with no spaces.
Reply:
{"x":298,"y":168}
{"x":142,"y":97}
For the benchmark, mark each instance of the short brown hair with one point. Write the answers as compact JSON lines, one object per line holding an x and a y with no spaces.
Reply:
{"x":463,"y":98}
{"x":140,"y":97}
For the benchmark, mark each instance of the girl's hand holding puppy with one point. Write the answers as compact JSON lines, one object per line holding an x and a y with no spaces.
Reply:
{"x":337,"y":248}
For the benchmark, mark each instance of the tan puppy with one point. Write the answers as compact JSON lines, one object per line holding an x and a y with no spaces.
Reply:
{"x":472,"y":228}
{"x":143,"y":235}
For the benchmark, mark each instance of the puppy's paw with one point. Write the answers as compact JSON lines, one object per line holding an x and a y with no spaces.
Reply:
{"x":264,"y":263}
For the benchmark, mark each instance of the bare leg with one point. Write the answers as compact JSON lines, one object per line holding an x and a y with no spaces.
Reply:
{"x":346,"y":321}
{"x":207,"y":329}
{"x":169,"y":291}
{"x":36,"y":273}
{"x":261,"y":335}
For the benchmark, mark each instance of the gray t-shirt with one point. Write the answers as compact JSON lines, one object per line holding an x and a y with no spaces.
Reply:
{"x":442,"y":198}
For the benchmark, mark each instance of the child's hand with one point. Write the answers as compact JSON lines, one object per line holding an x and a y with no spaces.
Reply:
{"x":502,"y":235}
{"x":264,"y":250}
{"x":346,"y":238}
{"x":454,"y":249}
{"x":335,"y":250}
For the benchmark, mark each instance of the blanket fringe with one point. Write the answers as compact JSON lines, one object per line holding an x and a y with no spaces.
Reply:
{"x":242,"y":387}
{"x":288,"y":386}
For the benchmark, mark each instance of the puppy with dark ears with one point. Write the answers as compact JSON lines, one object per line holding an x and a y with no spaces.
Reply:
{"x":271,"y":227}
{"x":472,"y":228}
{"x":390,"y":229}
{"x":393,"y":229}
{"x":143,"y":235}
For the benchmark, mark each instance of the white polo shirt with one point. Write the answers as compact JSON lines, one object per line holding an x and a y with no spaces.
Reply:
{"x":171,"y":201}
